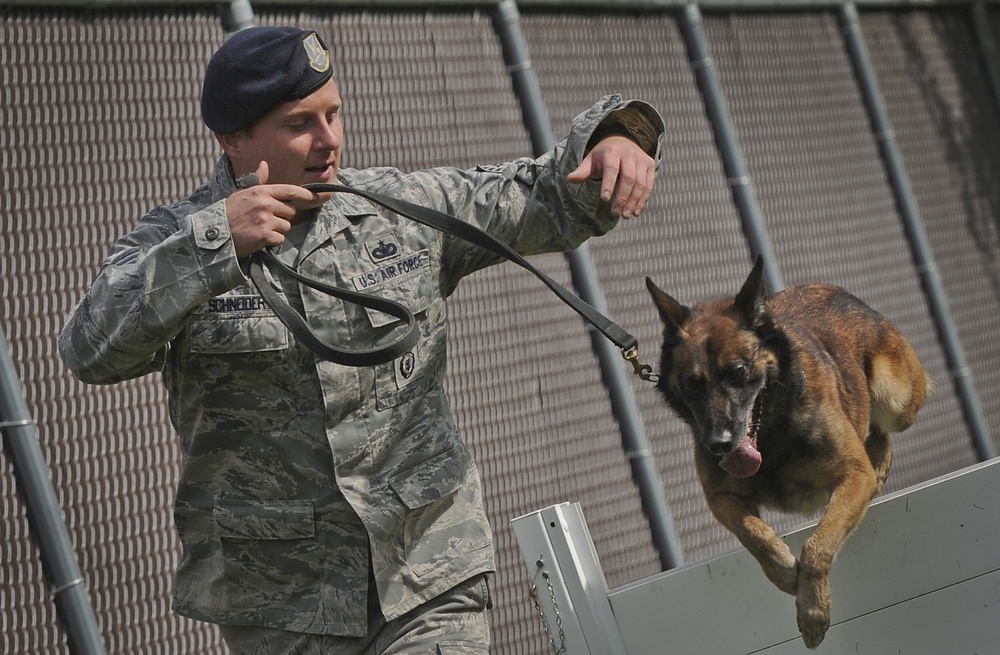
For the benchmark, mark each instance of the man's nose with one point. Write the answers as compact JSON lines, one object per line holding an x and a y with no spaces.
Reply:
{"x":328,"y":137}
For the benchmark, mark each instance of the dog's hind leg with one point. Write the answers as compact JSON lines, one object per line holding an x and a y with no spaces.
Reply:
{"x":878,"y":445}
{"x":898,"y":386}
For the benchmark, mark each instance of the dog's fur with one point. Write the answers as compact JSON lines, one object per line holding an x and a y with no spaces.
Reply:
{"x":796,"y":395}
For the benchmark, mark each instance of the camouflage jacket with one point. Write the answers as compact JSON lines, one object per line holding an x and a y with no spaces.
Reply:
{"x":299,"y":474}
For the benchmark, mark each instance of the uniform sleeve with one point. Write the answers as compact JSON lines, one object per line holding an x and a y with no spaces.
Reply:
{"x":528,"y":203}
{"x":145,"y":291}
{"x":638,"y":121}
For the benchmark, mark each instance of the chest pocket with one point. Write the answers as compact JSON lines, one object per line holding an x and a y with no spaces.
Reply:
{"x":236,"y":322}
{"x":408,"y":280}
{"x":392,"y":268}
{"x":405,"y":279}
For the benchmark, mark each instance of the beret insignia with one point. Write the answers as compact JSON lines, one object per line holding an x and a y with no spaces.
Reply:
{"x":319,"y":57}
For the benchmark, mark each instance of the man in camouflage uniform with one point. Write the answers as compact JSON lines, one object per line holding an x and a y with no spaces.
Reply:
{"x":326,"y":508}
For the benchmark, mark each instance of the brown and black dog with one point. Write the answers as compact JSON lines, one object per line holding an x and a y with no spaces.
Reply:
{"x":791,"y":400}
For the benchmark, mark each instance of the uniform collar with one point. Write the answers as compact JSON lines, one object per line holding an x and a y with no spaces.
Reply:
{"x":336,"y":215}
{"x":224,"y":178}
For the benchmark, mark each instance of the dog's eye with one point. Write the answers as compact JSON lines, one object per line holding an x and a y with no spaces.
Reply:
{"x":737,"y":373}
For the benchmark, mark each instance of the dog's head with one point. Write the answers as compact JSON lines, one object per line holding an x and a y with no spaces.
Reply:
{"x":714,"y":366}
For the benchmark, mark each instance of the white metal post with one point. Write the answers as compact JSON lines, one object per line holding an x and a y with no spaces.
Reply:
{"x":568,"y":584}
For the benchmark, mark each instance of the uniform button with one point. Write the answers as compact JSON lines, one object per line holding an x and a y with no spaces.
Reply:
{"x":212,"y":233}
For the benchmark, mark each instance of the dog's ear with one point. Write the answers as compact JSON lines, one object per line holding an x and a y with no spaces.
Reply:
{"x":750,"y":301}
{"x":673,"y":313}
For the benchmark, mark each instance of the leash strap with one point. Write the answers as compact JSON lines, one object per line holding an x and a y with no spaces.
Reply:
{"x":296,"y":323}
{"x":627,"y":343}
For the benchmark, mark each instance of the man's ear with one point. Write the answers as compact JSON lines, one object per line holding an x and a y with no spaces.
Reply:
{"x":243,"y":158}
{"x":231,"y":143}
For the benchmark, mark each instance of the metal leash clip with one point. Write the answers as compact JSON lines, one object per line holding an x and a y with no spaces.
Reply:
{"x":644,"y":371}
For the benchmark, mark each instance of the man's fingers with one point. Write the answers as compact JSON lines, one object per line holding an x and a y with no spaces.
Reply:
{"x":647,"y":190}
{"x":582,"y":172}
{"x":259,"y":176}
{"x":640,"y":193}
{"x":259,"y":216}
{"x":285,"y":193}
{"x":624,"y":202}
{"x":626,"y":173}
{"x":609,"y":180}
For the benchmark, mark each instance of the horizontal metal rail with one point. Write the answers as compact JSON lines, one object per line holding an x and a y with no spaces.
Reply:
{"x":636,"y":5}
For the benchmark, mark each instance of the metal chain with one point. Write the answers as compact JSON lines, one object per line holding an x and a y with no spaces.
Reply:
{"x":533,"y":592}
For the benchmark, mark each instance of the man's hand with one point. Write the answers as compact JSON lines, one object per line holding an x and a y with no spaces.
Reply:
{"x":261,"y":215}
{"x":625,"y":171}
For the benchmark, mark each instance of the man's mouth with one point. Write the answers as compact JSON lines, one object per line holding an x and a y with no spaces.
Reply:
{"x":322,"y":172}
{"x":745,"y":460}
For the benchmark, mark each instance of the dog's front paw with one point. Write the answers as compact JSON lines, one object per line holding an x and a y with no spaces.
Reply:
{"x":813,"y":612}
{"x":784,"y":574}
{"x":813,"y":624}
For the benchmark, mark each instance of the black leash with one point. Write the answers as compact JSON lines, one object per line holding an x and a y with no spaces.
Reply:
{"x":627,"y":343}
{"x":295,"y":322}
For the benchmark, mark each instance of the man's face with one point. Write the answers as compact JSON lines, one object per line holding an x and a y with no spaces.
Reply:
{"x":301,"y":140}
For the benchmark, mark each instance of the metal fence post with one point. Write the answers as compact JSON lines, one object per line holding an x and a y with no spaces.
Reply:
{"x":587,"y":284}
{"x":44,"y":513}
{"x":913,"y":225}
{"x":740,"y":184}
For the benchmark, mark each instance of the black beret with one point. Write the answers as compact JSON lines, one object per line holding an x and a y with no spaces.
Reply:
{"x":257,"y":69}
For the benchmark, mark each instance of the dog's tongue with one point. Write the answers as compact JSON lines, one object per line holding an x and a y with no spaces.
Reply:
{"x":742,"y":462}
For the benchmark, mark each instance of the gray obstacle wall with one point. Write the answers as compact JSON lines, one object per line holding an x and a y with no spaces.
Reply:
{"x":920,"y":576}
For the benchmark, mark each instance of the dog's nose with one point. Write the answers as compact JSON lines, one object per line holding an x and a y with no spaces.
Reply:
{"x":721,"y":444}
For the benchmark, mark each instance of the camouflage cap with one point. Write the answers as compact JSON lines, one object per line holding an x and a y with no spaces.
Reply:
{"x":258,"y":68}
